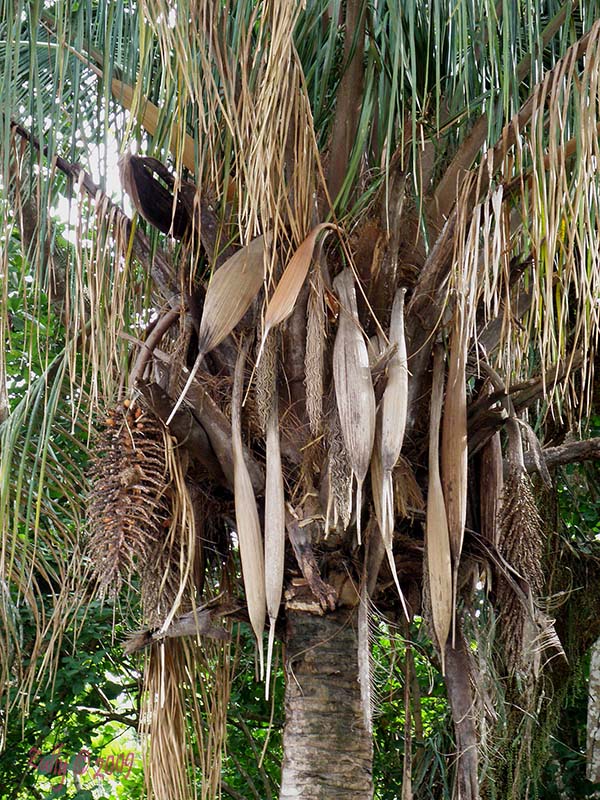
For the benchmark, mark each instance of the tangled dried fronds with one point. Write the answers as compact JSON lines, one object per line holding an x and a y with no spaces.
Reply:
{"x":186,"y":694}
{"x":408,"y":496}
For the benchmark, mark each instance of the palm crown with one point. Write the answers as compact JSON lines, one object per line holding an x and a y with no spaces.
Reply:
{"x":377,"y":251}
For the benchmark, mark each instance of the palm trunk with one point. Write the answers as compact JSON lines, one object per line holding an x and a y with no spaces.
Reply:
{"x":328,"y":751}
{"x":593,"y":719}
{"x":462,"y":703}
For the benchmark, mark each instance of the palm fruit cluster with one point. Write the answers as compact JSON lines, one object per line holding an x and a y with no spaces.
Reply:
{"x":128,"y":505}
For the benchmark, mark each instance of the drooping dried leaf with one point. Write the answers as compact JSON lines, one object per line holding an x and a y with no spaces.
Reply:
{"x":246,"y":515}
{"x":454,"y":452}
{"x":230,"y":292}
{"x":284,"y":297}
{"x":274,"y":530}
{"x":383,"y":519}
{"x":392,"y":421}
{"x":395,"y":397}
{"x":354,"y":392}
{"x":439,"y":565}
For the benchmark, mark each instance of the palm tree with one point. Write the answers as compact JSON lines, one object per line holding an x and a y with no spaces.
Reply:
{"x":364,"y":273}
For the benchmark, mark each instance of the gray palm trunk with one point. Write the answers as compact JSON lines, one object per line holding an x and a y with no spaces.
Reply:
{"x":328,"y":749}
{"x":593,"y":720}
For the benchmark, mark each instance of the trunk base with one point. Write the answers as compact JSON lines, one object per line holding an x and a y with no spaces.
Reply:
{"x":328,"y":750}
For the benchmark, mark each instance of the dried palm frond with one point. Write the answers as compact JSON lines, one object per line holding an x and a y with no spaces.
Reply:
{"x":392,"y":416}
{"x":385,"y":520}
{"x":439,"y":567}
{"x":230,"y":292}
{"x":282,"y":303}
{"x":152,"y":200}
{"x":129,"y":509}
{"x":353,"y":387}
{"x":168,"y":755}
{"x":246,"y":515}
{"x":265,"y":112}
{"x":274,"y":493}
{"x":555,"y":224}
{"x":146,"y":112}
{"x":454,"y":448}
{"x":274,"y":531}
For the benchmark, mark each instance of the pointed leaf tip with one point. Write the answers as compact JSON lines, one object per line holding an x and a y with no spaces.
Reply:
{"x":284,"y":297}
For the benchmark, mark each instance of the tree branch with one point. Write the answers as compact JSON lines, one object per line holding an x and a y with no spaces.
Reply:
{"x":185,"y":428}
{"x":216,"y":425}
{"x":568,"y":453}
{"x":231,"y":791}
{"x":486,"y":417}
{"x":110,"y":717}
{"x":201,"y":621}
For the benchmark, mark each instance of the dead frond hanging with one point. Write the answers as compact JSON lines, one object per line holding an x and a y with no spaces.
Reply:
{"x":454,"y":448}
{"x":353,"y":387}
{"x":246,"y":515}
{"x":439,"y":568}
{"x":391,"y":426}
{"x":385,"y":519}
{"x":230,"y":292}
{"x":268,"y":406}
{"x":274,"y":529}
{"x":151,"y":198}
{"x":282,"y":303}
